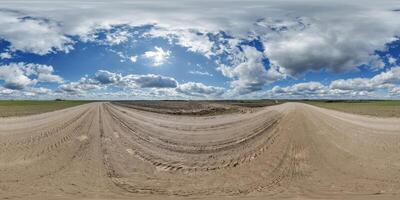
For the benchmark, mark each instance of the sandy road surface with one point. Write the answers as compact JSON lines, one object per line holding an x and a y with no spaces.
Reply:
{"x":289,"y":151}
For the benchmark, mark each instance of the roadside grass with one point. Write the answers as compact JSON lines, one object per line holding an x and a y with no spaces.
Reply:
{"x":378,"y":108}
{"x":10,"y":108}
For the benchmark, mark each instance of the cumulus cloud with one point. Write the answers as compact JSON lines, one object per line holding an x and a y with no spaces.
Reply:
{"x":318,"y":46}
{"x":80,"y":87}
{"x":117,"y":37}
{"x":193,"y":40}
{"x":103,"y":79}
{"x":302,"y":89}
{"x":40,"y":91}
{"x":297,"y":37}
{"x":395,"y":91}
{"x":158,"y":57}
{"x":15,"y":77}
{"x":392,"y":60}
{"x":199,"y":89}
{"x":149,"y":81}
{"x":45,"y":74}
{"x":5,"y":55}
{"x":383,"y":80}
{"x":18,"y":76}
{"x":34,"y":35}
{"x":6,"y":91}
{"x":205,"y":73}
{"x":344,"y":88}
{"x":391,"y":76}
{"x":26,"y":93}
{"x":190,"y":23}
{"x":353,"y":84}
{"x":135,"y":86}
{"x":249,"y":74}
{"x":106,"y":77}
{"x":325,"y":39}
{"x":133,"y":59}
{"x":311,"y":90}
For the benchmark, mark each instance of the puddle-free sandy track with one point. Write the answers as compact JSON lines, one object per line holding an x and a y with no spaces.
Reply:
{"x":288,"y":151}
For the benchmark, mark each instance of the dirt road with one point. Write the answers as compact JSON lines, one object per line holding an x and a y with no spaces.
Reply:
{"x":288,"y":151}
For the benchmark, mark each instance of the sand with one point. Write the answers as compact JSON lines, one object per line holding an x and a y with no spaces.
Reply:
{"x":288,"y":151}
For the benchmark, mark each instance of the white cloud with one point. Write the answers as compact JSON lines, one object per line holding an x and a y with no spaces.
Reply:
{"x":205,"y":73}
{"x":383,"y":80}
{"x":80,"y":87}
{"x":6,"y":91}
{"x":133,"y":59}
{"x":18,"y":76}
{"x":297,"y":36}
{"x":376,"y":63}
{"x":50,"y":78}
{"x":329,"y":43}
{"x":392,"y":60}
{"x":33,"y":35}
{"x":373,"y":22}
{"x":156,"y":86}
{"x":106,"y":77}
{"x":15,"y":77}
{"x":158,"y":57}
{"x":28,"y":93}
{"x":103,"y":79}
{"x":199,"y":89}
{"x":45,"y":74}
{"x":392,"y":76}
{"x":40,"y":91}
{"x":148,"y":81}
{"x":344,"y":88}
{"x":395,"y":91}
{"x":316,"y":90}
{"x":357,"y":84}
{"x":138,"y":86}
{"x":5,"y":55}
{"x":194,"y":41}
{"x":301,"y":89}
{"x":249,"y":74}
{"x":117,"y":37}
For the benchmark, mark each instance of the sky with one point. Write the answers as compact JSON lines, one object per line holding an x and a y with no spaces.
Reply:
{"x":200,"y":49}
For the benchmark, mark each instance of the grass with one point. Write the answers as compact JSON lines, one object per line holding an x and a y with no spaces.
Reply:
{"x":29,"y":107}
{"x":379,"y":108}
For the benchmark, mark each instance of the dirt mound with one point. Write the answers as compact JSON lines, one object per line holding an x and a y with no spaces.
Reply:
{"x":109,"y":151}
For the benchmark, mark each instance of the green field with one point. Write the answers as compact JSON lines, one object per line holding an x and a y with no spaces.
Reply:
{"x":379,"y":108}
{"x":29,"y":107}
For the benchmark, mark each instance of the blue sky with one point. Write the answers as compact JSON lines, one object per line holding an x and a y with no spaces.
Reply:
{"x":192,"y":50}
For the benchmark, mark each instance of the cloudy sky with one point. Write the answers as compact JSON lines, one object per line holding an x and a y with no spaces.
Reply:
{"x":200,"y":49}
